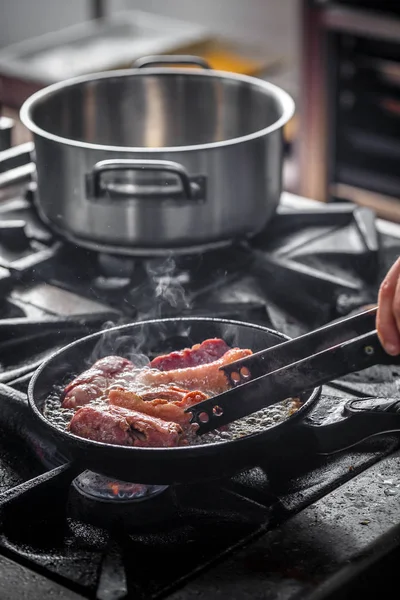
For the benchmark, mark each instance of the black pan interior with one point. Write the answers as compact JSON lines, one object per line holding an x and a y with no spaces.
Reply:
{"x":159,"y":465}
{"x":141,"y":340}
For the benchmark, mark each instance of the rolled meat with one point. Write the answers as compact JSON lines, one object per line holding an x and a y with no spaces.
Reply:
{"x":116,"y":425}
{"x":157,"y":407}
{"x":199,"y":354}
{"x":92,"y":384}
{"x":206,"y":378}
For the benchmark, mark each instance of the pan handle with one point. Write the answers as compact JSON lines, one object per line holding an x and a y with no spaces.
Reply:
{"x":170,"y":60}
{"x":363,"y":418}
{"x":191,"y":188}
{"x":16,"y":413}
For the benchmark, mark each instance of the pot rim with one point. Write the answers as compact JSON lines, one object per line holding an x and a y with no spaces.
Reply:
{"x":284,"y":99}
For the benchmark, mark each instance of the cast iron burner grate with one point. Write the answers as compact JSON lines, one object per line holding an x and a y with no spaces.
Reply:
{"x":103,"y":489}
{"x":290,"y":279}
{"x":241,"y":535}
{"x":313,"y":265}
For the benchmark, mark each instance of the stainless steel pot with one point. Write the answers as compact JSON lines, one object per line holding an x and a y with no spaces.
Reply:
{"x":149,"y":159}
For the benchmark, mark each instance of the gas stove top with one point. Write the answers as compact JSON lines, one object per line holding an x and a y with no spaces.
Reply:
{"x":310,"y":529}
{"x":314,"y":263}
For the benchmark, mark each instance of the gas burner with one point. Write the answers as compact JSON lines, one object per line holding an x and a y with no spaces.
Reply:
{"x":107,"y":503}
{"x":104,"y":489}
{"x":112,"y":266}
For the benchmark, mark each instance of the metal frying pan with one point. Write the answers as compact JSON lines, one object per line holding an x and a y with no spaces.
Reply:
{"x":191,"y":463}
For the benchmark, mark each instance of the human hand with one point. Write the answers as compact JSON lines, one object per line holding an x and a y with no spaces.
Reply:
{"x":388,"y":315}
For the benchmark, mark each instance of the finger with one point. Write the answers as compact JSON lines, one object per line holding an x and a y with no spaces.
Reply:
{"x":386,"y":321}
{"x":396,"y":306}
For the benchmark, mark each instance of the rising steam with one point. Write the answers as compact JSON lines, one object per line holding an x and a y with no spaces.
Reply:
{"x":167,"y":283}
{"x":161,"y":294}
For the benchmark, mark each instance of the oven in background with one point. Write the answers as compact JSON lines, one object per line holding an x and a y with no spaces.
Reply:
{"x":350,"y":130}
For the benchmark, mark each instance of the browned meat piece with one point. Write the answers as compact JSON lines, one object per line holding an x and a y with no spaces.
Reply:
{"x":171,"y":394}
{"x":112,"y":365}
{"x":206,"y":378}
{"x":158,"y":407}
{"x":107,"y":366}
{"x":199,"y":354}
{"x":92,"y":383}
{"x":82,"y":393}
{"x":118,"y":426}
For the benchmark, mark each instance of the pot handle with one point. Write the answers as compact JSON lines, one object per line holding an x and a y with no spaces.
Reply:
{"x":170,"y":60}
{"x":363,"y":418}
{"x":193,"y":188}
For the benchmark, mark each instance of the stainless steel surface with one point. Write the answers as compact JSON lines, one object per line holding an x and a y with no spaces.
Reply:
{"x":170,"y":60}
{"x":223,"y":131}
{"x":288,"y":381}
{"x":93,"y":46}
{"x":95,"y":188}
{"x":268,"y":360}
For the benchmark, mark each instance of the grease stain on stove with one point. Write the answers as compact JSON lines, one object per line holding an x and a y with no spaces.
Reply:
{"x":18,"y":583}
{"x":15,"y":463}
{"x":327,"y":544}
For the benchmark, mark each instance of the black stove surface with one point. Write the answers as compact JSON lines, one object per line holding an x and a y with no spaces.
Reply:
{"x":314,"y":264}
{"x":224,"y":539}
{"x":309,"y":529}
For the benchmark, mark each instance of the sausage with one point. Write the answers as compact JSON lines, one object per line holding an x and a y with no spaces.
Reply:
{"x":205,"y":378}
{"x":119,"y":426}
{"x":157,"y":407}
{"x":92,"y":384}
{"x":199,"y":354}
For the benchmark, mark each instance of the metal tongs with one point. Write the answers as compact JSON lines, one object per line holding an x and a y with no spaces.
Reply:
{"x":292,"y":368}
